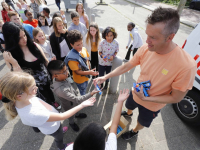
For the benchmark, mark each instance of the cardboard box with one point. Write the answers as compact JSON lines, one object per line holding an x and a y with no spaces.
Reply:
{"x":123,"y":123}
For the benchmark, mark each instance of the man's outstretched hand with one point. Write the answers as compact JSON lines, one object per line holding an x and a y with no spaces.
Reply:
{"x":99,"y":80}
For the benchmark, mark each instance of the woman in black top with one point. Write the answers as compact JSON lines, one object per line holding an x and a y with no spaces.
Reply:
{"x":57,"y":37}
{"x":22,"y":54}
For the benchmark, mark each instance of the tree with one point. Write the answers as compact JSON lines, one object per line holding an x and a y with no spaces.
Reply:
{"x":181,"y":6}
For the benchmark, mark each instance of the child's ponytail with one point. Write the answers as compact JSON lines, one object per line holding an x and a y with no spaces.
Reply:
{"x":10,"y":110}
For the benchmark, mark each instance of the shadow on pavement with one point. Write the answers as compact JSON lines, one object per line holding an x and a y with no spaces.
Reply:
{"x":2,"y":117}
{"x":22,"y":137}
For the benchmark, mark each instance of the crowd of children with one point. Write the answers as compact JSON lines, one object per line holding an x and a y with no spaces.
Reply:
{"x":52,"y":52}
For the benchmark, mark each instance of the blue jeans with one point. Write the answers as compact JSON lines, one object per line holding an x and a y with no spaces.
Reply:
{"x":82,"y":87}
{"x":58,"y":4}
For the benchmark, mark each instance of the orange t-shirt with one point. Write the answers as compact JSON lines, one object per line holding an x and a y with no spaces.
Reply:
{"x":174,"y":70}
{"x":74,"y":65}
{"x":94,"y":47}
{"x":34,"y":23}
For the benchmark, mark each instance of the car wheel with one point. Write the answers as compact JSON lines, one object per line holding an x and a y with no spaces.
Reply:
{"x":192,"y":6}
{"x":188,"y":109}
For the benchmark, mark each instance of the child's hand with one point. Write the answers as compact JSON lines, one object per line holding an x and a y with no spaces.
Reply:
{"x":53,"y":58}
{"x":126,"y":47}
{"x":89,"y":102}
{"x":95,"y":91}
{"x":140,"y":94}
{"x":104,"y":58}
{"x":123,"y":95}
{"x":63,"y":30}
{"x":111,"y":58}
{"x":8,"y":57}
{"x":93,"y":72}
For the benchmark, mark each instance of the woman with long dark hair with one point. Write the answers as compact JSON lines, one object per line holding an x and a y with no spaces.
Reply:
{"x":22,"y":54}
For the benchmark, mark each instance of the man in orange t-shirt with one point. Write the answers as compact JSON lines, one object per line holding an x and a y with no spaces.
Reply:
{"x":170,"y":70}
{"x":31,"y":21}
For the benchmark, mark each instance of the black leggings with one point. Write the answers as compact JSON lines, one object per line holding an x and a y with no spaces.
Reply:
{"x":103,"y":69}
{"x":94,"y":60}
{"x":129,"y":52}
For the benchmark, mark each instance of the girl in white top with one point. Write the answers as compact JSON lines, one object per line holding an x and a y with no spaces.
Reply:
{"x":39,"y":37}
{"x":93,"y":136}
{"x":19,"y":90}
{"x":108,"y":49}
{"x":83,"y":17}
{"x":43,"y":25}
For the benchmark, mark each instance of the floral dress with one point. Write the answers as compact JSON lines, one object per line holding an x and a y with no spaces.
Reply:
{"x":107,"y":49}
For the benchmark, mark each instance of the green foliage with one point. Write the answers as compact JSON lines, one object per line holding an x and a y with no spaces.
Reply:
{"x":174,"y":2}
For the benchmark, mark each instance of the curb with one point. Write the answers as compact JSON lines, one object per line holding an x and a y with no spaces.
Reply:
{"x":183,"y":21}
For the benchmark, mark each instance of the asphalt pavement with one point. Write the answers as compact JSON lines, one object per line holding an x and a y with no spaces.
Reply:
{"x":167,"y":131}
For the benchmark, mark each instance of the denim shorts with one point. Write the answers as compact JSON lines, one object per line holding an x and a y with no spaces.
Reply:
{"x":145,"y":116}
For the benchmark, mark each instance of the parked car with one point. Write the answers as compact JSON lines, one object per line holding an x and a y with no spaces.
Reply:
{"x":195,"y":4}
{"x":188,"y":109}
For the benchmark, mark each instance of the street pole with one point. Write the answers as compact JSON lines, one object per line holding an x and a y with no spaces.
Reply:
{"x":181,"y":6}
{"x":101,"y":3}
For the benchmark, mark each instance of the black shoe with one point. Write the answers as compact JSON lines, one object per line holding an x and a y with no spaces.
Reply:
{"x":128,"y":135}
{"x":81,"y":115}
{"x":106,"y":85}
{"x":124,"y":113}
{"x":74,"y":127}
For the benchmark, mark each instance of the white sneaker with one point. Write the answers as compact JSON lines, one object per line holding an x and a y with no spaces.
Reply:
{"x":125,"y":60}
{"x":70,"y":80}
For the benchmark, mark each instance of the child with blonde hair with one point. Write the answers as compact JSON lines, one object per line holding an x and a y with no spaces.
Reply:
{"x":58,"y":39}
{"x":39,"y":37}
{"x":19,"y":90}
